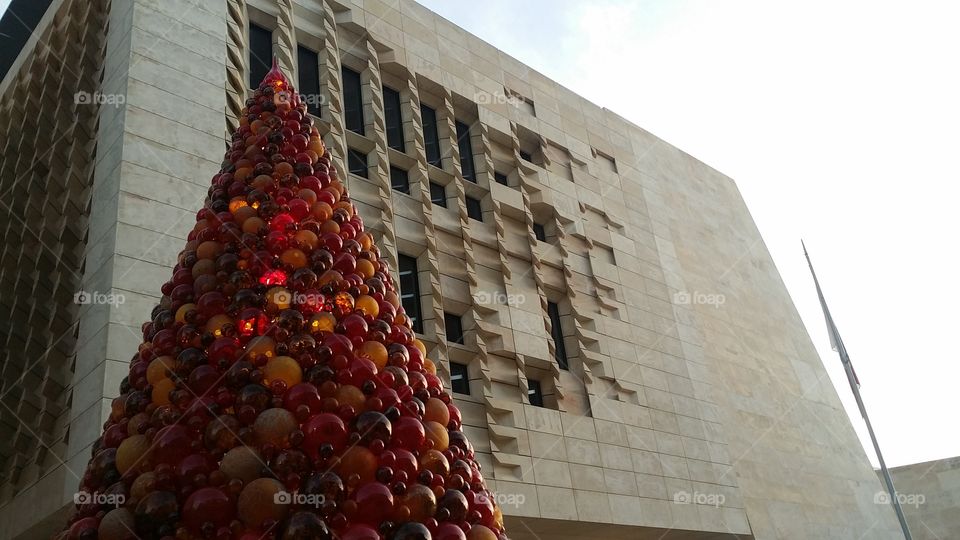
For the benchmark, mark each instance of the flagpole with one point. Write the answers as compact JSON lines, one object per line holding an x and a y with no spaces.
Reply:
{"x":838,"y":346}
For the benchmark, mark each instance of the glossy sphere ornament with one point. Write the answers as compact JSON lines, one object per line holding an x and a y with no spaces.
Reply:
{"x":437,"y":434}
{"x":479,"y":532}
{"x":359,"y":461}
{"x":303,"y":396}
{"x":324,"y":428}
{"x":437,"y":411}
{"x":274,"y":426}
{"x":408,"y":433}
{"x":144,"y":484}
{"x":360,"y":532}
{"x":118,"y":524}
{"x":420,"y":501}
{"x":243,"y":463}
{"x":372,"y":426}
{"x":132,"y":453}
{"x":322,"y":322}
{"x":155,"y":510}
{"x":328,"y":484}
{"x":282,"y":369}
{"x":376,"y":352}
{"x":172,"y":444}
{"x":374,"y":503}
{"x":207,"y":505}
{"x":412,"y":531}
{"x":449,"y":531}
{"x":367,"y":305}
{"x":259,"y":502}
{"x":455,"y":503}
{"x":83,"y":529}
{"x":160,"y":394}
{"x":435,"y":462}
{"x":306,"y":526}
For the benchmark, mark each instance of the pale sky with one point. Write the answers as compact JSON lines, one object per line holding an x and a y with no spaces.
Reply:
{"x":839,"y":121}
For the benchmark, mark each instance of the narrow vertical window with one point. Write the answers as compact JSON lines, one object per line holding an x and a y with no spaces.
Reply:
{"x":399,"y":180}
{"x":431,"y":137}
{"x":393,"y":118}
{"x":352,"y":100}
{"x":261,"y":53}
{"x":308,"y":78}
{"x":459,"y":378}
{"x":500,"y":178}
{"x":466,"y":152}
{"x":410,"y":290}
{"x":454,"y":326}
{"x":534,"y":393}
{"x":556,"y":331}
{"x":474,"y":211}
{"x":438,"y":194}
{"x":539,"y":232}
{"x":357,"y":162}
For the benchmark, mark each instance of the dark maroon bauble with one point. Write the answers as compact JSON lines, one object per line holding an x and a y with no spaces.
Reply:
{"x":306,"y":526}
{"x":411,"y":531}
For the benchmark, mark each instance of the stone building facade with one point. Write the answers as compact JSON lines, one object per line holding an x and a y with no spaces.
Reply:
{"x":627,"y":358}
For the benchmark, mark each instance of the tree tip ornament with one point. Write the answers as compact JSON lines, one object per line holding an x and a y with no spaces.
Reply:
{"x":280,"y":391}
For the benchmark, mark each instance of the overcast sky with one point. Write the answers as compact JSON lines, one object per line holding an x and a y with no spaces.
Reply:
{"x":839,"y":121}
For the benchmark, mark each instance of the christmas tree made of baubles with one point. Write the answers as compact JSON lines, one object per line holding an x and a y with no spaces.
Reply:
{"x":280,"y":392}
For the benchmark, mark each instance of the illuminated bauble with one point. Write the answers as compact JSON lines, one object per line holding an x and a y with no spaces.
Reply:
{"x":420,"y":501}
{"x":411,"y":531}
{"x":207,"y":505}
{"x":437,"y":411}
{"x":274,"y":426}
{"x":132,"y":453}
{"x":118,"y":524}
{"x":375,"y":351}
{"x":243,"y":463}
{"x":261,"y":500}
{"x":161,"y":392}
{"x":306,"y":526}
{"x":144,"y":484}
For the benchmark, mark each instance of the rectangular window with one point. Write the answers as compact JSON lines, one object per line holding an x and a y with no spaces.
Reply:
{"x":399,"y":180}
{"x":261,"y":53}
{"x":556,"y":331}
{"x":459,"y":379}
{"x":352,"y":100}
{"x":431,"y":138}
{"x":438,"y":194}
{"x":473,"y":209}
{"x":540,"y":232}
{"x":308,"y":78}
{"x":410,"y":290}
{"x":534,"y":393}
{"x":357,"y":162}
{"x":393,"y":118}
{"x":500,"y":178}
{"x":526,"y":156}
{"x":466,"y":152}
{"x":454,"y":326}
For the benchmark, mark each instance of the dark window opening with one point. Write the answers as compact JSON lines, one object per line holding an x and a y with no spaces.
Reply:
{"x":454,"y":326}
{"x":399,"y":180}
{"x":540,"y":232}
{"x":410,"y":290}
{"x":474,"y":211}
{"x":261,"y":53}
{"x":352,"y":100}
{"x":357,"y":162}
{"x":534,"y":393}
{"x":466,"y":152}
{"x":438,"y":194}
{"x":459,"y":379}
{"x":393,"y":118}
{"x":500,"y":178}
{"x":526,"y":156}
{"x":308,"y":79}
{"x":431,"y":138}
{"x":556,"y":331}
